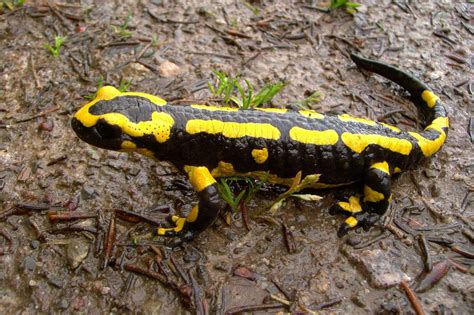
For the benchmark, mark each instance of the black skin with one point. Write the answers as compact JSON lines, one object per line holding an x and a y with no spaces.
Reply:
{"x":337,"y":163}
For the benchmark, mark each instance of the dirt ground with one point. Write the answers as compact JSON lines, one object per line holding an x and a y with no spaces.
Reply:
{"x":53,"y":265}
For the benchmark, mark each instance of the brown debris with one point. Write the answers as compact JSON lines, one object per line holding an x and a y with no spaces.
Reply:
{"x":439,"y":270}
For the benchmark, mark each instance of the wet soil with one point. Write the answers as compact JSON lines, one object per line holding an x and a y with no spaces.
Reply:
{"x":49,"y":264}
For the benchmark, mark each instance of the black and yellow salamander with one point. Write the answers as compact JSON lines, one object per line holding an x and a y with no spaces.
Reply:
{"x":207,"y":142}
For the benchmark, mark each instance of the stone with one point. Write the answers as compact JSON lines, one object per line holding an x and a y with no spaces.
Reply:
{"x":169,"y":69}
{"x":382,"y":269}
{"x":77,"y":251}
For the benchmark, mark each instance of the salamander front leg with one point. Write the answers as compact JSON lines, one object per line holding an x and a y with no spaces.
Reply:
{"x":204,"y":213}
{"x":376,"y":199}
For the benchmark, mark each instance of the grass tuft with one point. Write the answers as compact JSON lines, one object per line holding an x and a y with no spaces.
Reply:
{"x":121,"y":29}
{"x":100,"y":83}
{"x":231,"y":90}
{"x":351,"y":7}
{"x":55,"y":48}
{"x":11,"y":5}
{"x":124,"y":85}
{"x":246,"y":187}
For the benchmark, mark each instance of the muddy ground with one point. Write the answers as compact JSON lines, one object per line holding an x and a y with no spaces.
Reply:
{"x":50,"y":265}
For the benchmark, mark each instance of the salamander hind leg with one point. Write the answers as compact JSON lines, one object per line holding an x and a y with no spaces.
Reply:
{"x":204,"y":213}
{"x":366,"y":210}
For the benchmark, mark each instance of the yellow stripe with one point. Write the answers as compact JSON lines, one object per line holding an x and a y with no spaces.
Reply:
{"x":199,"y":177}
{"x":383,"y":166}
{"x":439,"y":123}
{"x":260,"y":155}
{"x":192,"y":216}
{"x":128,"y":145}
{"x":371,"y":195}
{"x":430,"y":98}
{"x":393,"y":128}
{"x":179,"y":226}
{"x":159,"y":126}
{"x":273,"y":110}
{"x":351,"y":222}
{"x":427,"y":146}
{"x":326,"y":137}
{"x":352,"y":206}
{"x":233,"y":129}
{"x":358,"y":142}
{"x":346,"y":117}
{"x":311,"y":114}
{"x":215,"y":108}
{"x":107,"y":93}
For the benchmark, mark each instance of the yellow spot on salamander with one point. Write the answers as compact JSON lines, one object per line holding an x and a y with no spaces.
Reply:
{"x":223,"y":169}
{"x":352,"y":206}
{"x":358,"y":142}
{"x":430,"y":147}
{"x":351,"y":222}
{"x":397,"y":170}
{"x":192,"y":216}
{"x":427,"y":146}
{"x":273,"y":110}
{"x":200,"y":177}
{"x":371,"y":195}
{"x":311,"y":114}
{"x":179,"y":227}
{"x":326,"y":137}
{"x":393,"y":128}
{"x":260,"y":155}
{"x":128,"y":145}
{"x":430,"y":98}
{"x":159,"y":126}
{"x":346,"y":117}
{"x":439,"y":123}
{"x":382,"y":166}
{"x":233,"y":129}
{"x":215,"y":108}
{"x":108,"y":93}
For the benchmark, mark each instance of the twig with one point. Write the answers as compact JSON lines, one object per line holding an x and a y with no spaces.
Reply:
{"x":41,"y":114}
{"x":412,"y":298}
{"x":109,"y":240}
{"x":426,"y":253}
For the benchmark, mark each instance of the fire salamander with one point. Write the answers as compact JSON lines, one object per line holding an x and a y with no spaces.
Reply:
{"x":207,"y":142}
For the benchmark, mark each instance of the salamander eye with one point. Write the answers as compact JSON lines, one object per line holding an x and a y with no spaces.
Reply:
{"x":107,"y":131}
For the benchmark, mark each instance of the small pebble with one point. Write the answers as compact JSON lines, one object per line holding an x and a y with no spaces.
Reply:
{"x":87,"y":192}
{"x":359,"y":299}
{"x":169,"y":69}
{"x":63,"y":304}
{"x":105,"y":290}
{"x":29,"y":263}
{"x":35,"y":244}
{"x":261,"y":246}
{"x":223,"y":266}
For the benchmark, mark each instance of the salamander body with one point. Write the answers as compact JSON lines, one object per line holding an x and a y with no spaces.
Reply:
{"x":208,"y":142}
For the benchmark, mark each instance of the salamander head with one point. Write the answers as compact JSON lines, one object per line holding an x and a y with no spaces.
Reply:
{"x":117,"y":121}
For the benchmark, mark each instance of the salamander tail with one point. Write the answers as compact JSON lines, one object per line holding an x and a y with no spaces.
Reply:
{"x":434,"y":135}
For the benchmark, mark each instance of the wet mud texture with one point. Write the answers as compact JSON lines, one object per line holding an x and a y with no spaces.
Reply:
{"x":101,"y":257}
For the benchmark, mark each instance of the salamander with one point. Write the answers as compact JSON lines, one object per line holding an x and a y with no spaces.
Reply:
{"x":207,"y":142}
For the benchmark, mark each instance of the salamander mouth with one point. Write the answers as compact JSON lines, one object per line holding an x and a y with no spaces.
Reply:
{"x":100,"y":135}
